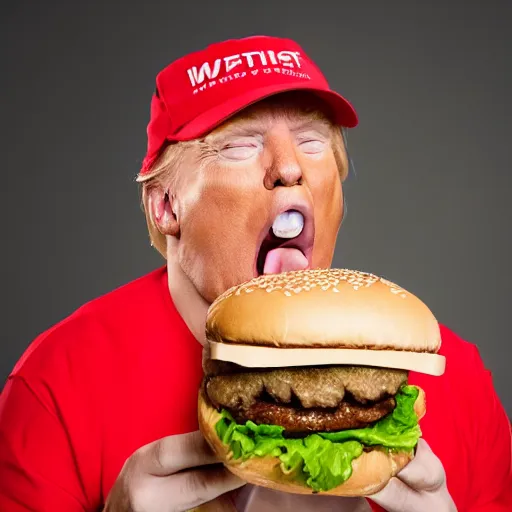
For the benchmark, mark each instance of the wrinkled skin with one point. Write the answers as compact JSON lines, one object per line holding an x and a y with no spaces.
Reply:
{"x":234,"y":182}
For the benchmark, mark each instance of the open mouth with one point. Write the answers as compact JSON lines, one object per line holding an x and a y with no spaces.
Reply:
{"x":287,"y":243}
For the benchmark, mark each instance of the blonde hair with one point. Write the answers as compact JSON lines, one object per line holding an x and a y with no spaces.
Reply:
{"x":164,"y":173}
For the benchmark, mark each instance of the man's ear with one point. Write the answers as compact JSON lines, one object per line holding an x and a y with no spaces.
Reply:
{"x":162,"y":211}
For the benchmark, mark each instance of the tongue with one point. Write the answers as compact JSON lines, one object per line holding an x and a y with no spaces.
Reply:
{"x":284,"y":259}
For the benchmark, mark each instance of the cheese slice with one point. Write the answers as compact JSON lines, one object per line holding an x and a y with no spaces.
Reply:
{"x":274,"y":357}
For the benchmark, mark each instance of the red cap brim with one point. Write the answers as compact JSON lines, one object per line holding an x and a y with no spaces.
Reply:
{"x":342,"y":111}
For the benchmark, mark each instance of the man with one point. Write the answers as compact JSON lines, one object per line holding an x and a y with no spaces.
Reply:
{"x":100,"y":412}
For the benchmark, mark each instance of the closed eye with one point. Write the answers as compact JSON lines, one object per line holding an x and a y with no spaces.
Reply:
{"x":240,"y":149}
{"x":312,"y":146}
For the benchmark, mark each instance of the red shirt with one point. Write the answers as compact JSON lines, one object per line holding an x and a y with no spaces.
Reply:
{"x":124,"y":370}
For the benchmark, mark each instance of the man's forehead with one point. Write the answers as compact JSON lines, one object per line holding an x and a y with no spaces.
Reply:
{"x":300,"y":111}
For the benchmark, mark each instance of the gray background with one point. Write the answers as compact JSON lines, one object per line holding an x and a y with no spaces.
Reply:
{"x":428,"y":206}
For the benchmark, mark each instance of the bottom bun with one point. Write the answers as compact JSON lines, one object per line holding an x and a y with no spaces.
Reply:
{"x":371,"y":471}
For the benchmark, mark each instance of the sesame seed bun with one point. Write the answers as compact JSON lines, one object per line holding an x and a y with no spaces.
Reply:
{"x":317,"y":318}
{"x":334,"y":308}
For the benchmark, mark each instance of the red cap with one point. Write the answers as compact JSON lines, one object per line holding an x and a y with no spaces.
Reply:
{"x":199,"y":91}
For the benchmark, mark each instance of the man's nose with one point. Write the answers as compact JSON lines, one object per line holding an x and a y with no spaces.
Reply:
{"x":284,"y":169}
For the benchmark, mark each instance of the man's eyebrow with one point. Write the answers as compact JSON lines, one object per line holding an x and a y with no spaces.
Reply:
{"x":239,"y":129}
{"x":252,"y":127}
{"x":320,"y":125}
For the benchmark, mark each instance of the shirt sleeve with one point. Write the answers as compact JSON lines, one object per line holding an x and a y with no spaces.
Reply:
{"x":492,"y":470}
{"x":37,"y":469}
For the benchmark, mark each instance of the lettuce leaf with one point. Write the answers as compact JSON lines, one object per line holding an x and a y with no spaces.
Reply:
{"x":323,"y":461}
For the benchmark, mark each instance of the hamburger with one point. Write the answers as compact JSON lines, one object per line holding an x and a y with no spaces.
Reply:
{"x":306,"y":388}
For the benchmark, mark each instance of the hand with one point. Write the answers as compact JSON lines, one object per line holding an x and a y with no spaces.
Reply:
{"x":420,"y":486}
{"x":174,"y":474}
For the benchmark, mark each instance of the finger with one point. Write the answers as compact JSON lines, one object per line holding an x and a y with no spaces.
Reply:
{"x":197,"y":486}
{"x":176,"y":453}
{"x":397,"y":496}
{"x":425,"y":472}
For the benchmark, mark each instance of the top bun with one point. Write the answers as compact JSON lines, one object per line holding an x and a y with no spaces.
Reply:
{"x":335,"y":308}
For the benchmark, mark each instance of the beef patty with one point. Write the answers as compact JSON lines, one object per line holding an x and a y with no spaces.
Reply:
{"x":313,"y":387}
{"x":302,"y":421}
{"x":307,"y":398}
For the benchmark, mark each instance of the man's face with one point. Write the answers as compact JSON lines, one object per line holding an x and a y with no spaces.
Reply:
{"x":266,"y":161}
